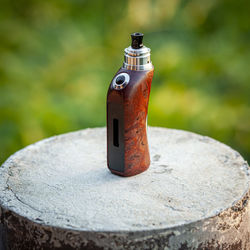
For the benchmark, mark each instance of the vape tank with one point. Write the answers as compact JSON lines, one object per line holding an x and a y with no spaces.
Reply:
{"x":127,"y":107}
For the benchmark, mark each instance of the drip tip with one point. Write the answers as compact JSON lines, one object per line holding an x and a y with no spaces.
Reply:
{"x":137,"y":40}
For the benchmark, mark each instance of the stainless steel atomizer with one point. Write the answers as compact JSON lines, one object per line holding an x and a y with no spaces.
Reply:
{"x":127,"y":107}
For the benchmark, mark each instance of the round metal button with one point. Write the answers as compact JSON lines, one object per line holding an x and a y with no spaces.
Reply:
{"x":121,"y":81}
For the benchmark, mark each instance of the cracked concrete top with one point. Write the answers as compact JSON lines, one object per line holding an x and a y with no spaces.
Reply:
{"x":64,"y":182}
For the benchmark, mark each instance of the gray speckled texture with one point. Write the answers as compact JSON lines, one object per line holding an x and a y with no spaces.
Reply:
{"x":195,"y":194}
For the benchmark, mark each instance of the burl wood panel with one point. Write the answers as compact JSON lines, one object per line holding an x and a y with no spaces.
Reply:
{"x":133,"y":104}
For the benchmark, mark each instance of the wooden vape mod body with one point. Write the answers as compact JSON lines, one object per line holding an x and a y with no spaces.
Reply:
{"x":127,"y":107}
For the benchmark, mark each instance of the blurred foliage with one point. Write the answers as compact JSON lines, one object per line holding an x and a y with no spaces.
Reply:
{"x":57,"y":59}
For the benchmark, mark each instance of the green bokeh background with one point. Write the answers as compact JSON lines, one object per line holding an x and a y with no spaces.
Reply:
{"x":57,"y":59}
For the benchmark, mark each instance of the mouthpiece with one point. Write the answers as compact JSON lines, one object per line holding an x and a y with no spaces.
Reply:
{"x":137,"y":40}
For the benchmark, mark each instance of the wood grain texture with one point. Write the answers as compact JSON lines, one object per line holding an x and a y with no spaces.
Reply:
{"x":132,"y":102}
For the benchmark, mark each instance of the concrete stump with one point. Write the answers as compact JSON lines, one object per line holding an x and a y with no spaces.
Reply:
{"x":59,"y":194}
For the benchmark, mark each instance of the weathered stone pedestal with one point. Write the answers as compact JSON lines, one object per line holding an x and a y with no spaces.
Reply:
{"x":59,"y":194}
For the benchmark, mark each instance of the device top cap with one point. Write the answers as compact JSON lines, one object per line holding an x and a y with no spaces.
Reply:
{"x":137,"y":40}
{"x":137,"y":56}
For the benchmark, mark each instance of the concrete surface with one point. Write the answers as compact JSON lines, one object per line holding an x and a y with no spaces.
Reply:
{"x":59,"y":193}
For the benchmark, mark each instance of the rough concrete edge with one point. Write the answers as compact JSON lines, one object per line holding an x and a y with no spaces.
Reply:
{"x":74,"y":133}
{"x":237,"y":207}
{"x":196,"y":235}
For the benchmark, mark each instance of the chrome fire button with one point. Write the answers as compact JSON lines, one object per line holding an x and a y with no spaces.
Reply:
{"x":121,"y":81}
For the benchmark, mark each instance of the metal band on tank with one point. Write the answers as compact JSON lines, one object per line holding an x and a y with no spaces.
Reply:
{"x":137,"y":59}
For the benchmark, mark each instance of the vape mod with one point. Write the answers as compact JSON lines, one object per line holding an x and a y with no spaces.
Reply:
{"x":127,"y":107}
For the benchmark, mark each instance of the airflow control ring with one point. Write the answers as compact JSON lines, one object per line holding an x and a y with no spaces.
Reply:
{"x":121,"y":81}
